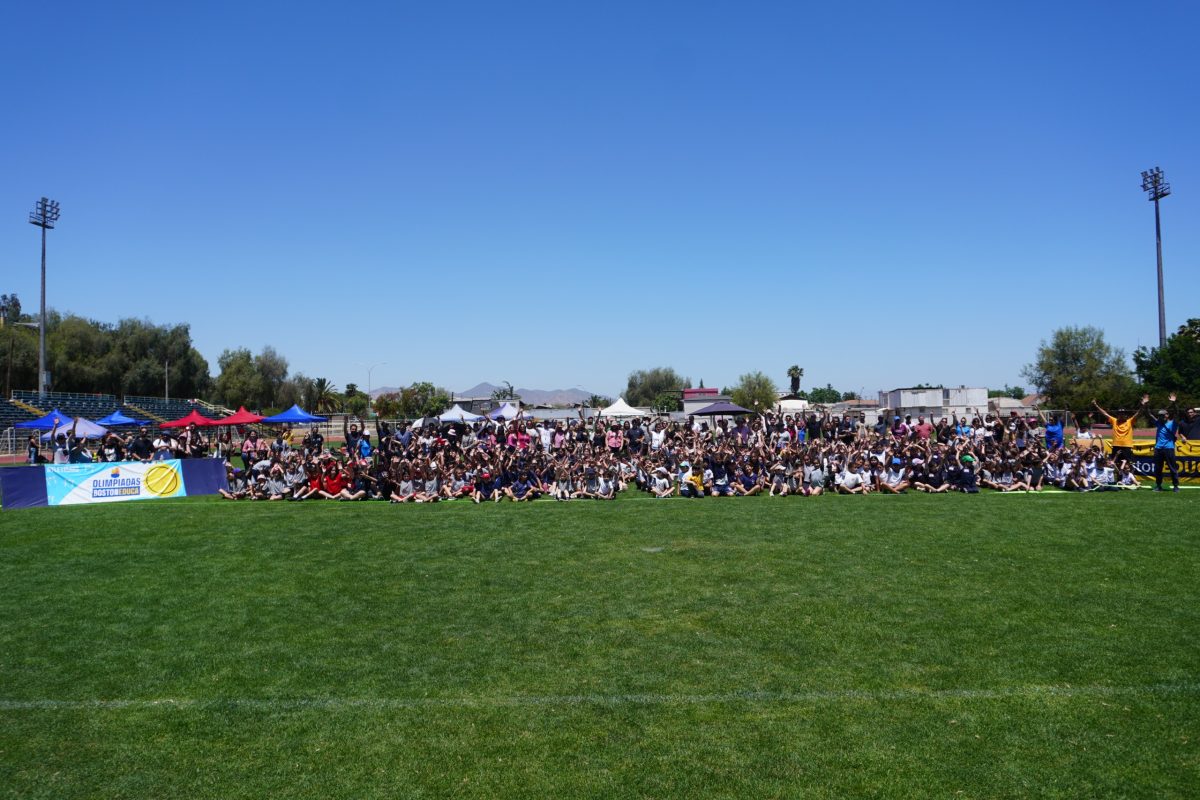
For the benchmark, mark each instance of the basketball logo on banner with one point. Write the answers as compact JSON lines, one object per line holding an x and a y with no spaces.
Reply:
{"x":162,"y":480}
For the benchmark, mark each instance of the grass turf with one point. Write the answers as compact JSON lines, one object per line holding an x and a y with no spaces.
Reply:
{"x":988,"y":646}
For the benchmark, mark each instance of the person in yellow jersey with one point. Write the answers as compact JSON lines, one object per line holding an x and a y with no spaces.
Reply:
{"x":1122,"y":438}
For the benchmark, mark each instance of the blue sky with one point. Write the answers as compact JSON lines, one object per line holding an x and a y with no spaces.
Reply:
{"x":555,"y":194}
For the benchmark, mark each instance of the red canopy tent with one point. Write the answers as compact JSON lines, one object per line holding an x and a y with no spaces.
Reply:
{"x":239,"y":417}
{"x":196,"y":417}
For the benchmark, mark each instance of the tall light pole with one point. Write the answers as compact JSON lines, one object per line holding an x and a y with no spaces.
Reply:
{"x":1157,"y":187}
{"x":370,"y":369}
{"x":44,"y":215}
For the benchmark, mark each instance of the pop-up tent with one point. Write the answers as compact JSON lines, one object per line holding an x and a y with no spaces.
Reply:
{"x":196,"y":418}
{"x":457,"y":413}
{"x":240,"y":417}
{"x":620,"y":409}
{"x":721,"y":409}
{"x":507,"y":410}
{"x":84,"y":429}
{"x":295,"y":415}
{"x":54,"y":418}
{"x":117,"y":418}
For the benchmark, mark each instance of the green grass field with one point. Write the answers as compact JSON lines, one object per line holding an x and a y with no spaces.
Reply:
{"x":990,"y":646}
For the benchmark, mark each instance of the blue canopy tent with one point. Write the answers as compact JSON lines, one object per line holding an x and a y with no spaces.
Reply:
{"x":47,"y":422}
{"x":295,"y":415}
{"x":117,"y":418}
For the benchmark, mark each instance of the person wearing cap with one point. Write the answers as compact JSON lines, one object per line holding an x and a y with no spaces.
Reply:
{"x":1166,"y":432}
{"x":893,"y":480}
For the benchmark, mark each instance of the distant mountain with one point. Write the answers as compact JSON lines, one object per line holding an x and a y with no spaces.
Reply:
{"x":537,"y":397}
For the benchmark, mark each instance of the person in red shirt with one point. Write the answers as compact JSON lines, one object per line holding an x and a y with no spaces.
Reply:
{"x":922,"y":429}
{"x":333,"y":480}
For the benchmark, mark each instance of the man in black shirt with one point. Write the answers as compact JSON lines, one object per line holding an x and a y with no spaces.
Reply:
{"x":140,"y":447}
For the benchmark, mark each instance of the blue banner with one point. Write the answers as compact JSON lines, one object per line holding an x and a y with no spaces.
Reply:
{"x":73,"y":484}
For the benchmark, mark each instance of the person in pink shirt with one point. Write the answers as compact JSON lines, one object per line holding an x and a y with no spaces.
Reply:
{"x":922,"y":429}
{"x":615,"y":439}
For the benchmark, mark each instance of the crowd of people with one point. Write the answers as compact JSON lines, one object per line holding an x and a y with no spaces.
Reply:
{"x":771,"y":454}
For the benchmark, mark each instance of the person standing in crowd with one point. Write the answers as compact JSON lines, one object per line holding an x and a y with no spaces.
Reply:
{"x":1122,"y":438}
{"x":1054,"y":430}
{"x":1166,"y":431}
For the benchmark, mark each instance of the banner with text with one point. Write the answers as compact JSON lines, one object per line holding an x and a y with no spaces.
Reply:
{"x":1187,"y":460}
{"x":70,"y":484}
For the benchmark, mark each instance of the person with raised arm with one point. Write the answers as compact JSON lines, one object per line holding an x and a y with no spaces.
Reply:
{"x":1166,"y":427}
{"x":1122,"y":436}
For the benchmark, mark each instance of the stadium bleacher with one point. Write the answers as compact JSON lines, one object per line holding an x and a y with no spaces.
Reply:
{"x":95,"y":406}
{"x":11,"y":414}
{"x":160,"y":409}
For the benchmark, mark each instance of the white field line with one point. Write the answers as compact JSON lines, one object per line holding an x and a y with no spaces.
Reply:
{"x":485,"y":702}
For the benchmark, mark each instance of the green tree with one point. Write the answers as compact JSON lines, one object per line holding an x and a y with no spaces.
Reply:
{"x":1015,"y":392}
{"x":794,"y":373}
{"x":826,"y":395}
{"x":755,"y":391}
{"x":423,"y":399}
{"x":388,"y":405}
{"x":239,"y":383}
{"x":272,"y":369}
{"x":647,"y":386}
{"x":321,"y":396}
{"x":1076,"y":365}
{"x":505,"y":394}
{"x":1174,"y":367}
{"x":599,"y":401}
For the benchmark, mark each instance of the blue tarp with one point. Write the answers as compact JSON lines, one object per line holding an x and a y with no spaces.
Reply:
{"x":47,"y":422}
{"x":295,"y":415}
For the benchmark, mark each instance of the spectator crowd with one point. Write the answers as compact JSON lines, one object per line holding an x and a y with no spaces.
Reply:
{"x":596,"y":459}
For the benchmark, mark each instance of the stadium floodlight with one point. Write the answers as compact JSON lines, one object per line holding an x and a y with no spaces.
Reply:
{"x":44,"y":215}
{"x":1154,"y":184}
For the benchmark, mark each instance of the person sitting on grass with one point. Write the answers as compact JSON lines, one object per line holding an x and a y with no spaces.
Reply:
{"x":276,"y":486}
{"x":661,"y":485}
{"x":239,"y":488}
{"x":893,"y":480}
{"x":852,"y":479}
{"x":691,"y":483}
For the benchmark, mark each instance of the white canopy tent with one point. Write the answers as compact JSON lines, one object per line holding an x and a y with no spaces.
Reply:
{"x":620,"y":409}
{"x":457,"y":413}
{"x":507,"y":410}
{"x":84,"y":429}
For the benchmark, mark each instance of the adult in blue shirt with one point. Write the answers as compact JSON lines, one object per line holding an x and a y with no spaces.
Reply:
{"x":1166,"y":430}
{"x":1054,"y":431}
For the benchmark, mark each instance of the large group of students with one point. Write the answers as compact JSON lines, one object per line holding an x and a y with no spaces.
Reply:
{"x":778,"y":455}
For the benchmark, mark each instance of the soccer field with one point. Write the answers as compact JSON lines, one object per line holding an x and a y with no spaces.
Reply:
{"x":958,"y":646}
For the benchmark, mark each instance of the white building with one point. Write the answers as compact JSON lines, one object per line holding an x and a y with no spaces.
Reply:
{"x":936,"y":402}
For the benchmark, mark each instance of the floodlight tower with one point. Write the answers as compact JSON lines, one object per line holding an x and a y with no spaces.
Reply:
{"x":44,"y":215}
{"x":1154,"y":184}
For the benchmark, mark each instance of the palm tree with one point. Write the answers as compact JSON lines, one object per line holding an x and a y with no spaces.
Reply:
{"x":795,"y":373}
{"x":322,"y":396}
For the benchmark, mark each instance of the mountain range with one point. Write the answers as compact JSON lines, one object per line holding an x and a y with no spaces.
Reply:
{"x":537,"y":397}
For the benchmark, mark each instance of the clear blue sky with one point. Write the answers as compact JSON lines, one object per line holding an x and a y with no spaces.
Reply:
{"x":555,"y":193}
